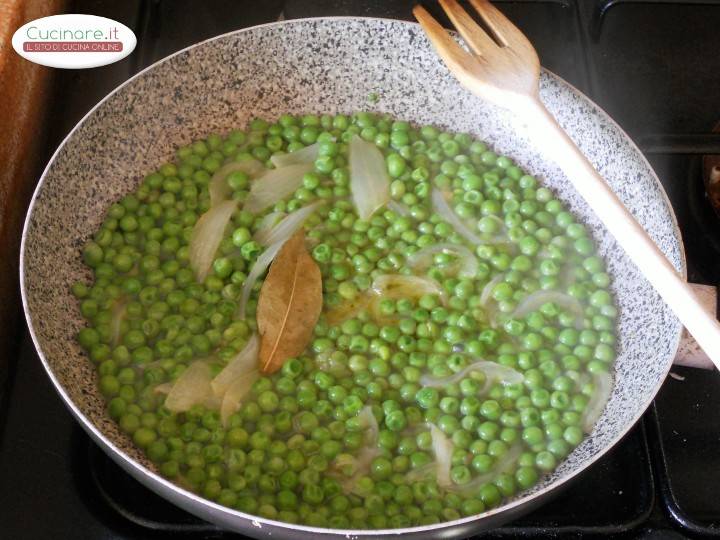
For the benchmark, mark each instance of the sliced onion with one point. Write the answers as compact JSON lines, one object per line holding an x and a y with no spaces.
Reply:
{"x":364,"y":459}
{"x":501,"y":466}
{"x":399,"y":208}
{"x":492,"y":370}
{"x":275,"y":185}
{"x":261,"y":264}
{"x":402,"y":286}
{"x":369,"y":180}
{"x":304,"y":155}
{"x":163,"y":388}
{"x":424,"y":472}
{"x":346,"y":464}
{"x":443,"y":208}
{"x":443,"y":450}
{"x":119,"y":311}
{"x":499,"y":237}
{"x":191,"y":388}
{"x":497,"y":220}
{"x":534,"y":301}
{"x":385,"y":286}
{"x":207,"y":235}
{"x":467,"y":261}
{"x":488,"y":289}
{"x":348,"y":309}
{"x":289,"y":224}
{"x":368,"y":420}
{"x":236,"y":392}
{"x":361,"y":463}
{"x":252,"y":167}
{"x":448,"y":214}
{"x":378,"y":316}
{"x":244,"y":362}
{"x":219,"y":188}
{"x":213,"y":402}
{"x":279,"y":235}
{"x":266,"y":226}
{"x":596,"y":405}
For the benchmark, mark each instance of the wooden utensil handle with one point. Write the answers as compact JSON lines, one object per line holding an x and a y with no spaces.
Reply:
{"x":689,"y":352}
{"x":625,"y":229}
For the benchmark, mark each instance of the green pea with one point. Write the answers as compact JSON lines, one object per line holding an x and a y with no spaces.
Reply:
{"x":532,"y":435}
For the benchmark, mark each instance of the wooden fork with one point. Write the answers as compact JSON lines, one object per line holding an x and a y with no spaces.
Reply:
{"x":503,"y":68}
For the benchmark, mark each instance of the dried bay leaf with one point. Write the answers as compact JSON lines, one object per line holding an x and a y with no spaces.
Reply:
{"x":289,"y":305}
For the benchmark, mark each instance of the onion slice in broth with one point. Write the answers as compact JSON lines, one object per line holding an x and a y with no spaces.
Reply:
{"x":369,"y":180}
{"x":163,"y":388}
{"x":534,"y":301}
{"x":385,"y":286}
{"x":594,"y":409}
{"x":279,"y":235}
{"x":206,"y":237}
{"x":399,"y":208}
{"x":367,"y":417}
{"x":219,"y":189}
{"x":443,"y":209}
{"x":304,"y":155}
{"x":261,"y":264}
{"x":467,"y":262}
{"x":486,"y":293}
{"x":443,"y":450}
{"x":492,"y":370}
{"x":424,"y":472}
{"x":402,"y":286}
{"x":367,"y":453}
{"x":274,"y":186}
{"x":285,"y":228}
{"x":235,"y":393}
{"x":266,"y":226}
{"x":244,"y":362}
{"x":191,"y":388}
{"x":119,"y":311}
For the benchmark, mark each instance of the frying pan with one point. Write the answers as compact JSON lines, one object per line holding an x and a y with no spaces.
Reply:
{"x":326,"y":65}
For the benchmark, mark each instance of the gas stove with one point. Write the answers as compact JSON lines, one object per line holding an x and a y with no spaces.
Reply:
{"x":651,"y":64}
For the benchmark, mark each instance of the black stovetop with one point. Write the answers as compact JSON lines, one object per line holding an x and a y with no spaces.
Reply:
{"x":651,"y":64}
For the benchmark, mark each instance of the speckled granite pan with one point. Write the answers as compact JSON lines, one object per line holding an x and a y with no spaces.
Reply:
{"x":323,"y":65}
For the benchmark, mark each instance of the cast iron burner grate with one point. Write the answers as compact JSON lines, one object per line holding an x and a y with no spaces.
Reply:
{"x":615,"y":495}
{"x":683,"y":422}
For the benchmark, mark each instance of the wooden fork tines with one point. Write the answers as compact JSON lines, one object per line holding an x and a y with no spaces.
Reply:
{"x":502,"y":67}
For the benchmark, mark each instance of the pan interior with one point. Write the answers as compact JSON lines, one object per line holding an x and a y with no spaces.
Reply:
{"x":327,"y":66}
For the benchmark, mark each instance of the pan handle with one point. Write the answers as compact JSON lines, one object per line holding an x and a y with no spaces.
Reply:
{"x":689,"y":352}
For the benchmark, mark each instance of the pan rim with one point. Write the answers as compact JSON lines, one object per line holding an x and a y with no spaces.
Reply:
{"x":137,"y":470}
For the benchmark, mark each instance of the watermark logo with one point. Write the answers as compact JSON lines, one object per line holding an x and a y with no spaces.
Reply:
{"x":74,"y":41}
